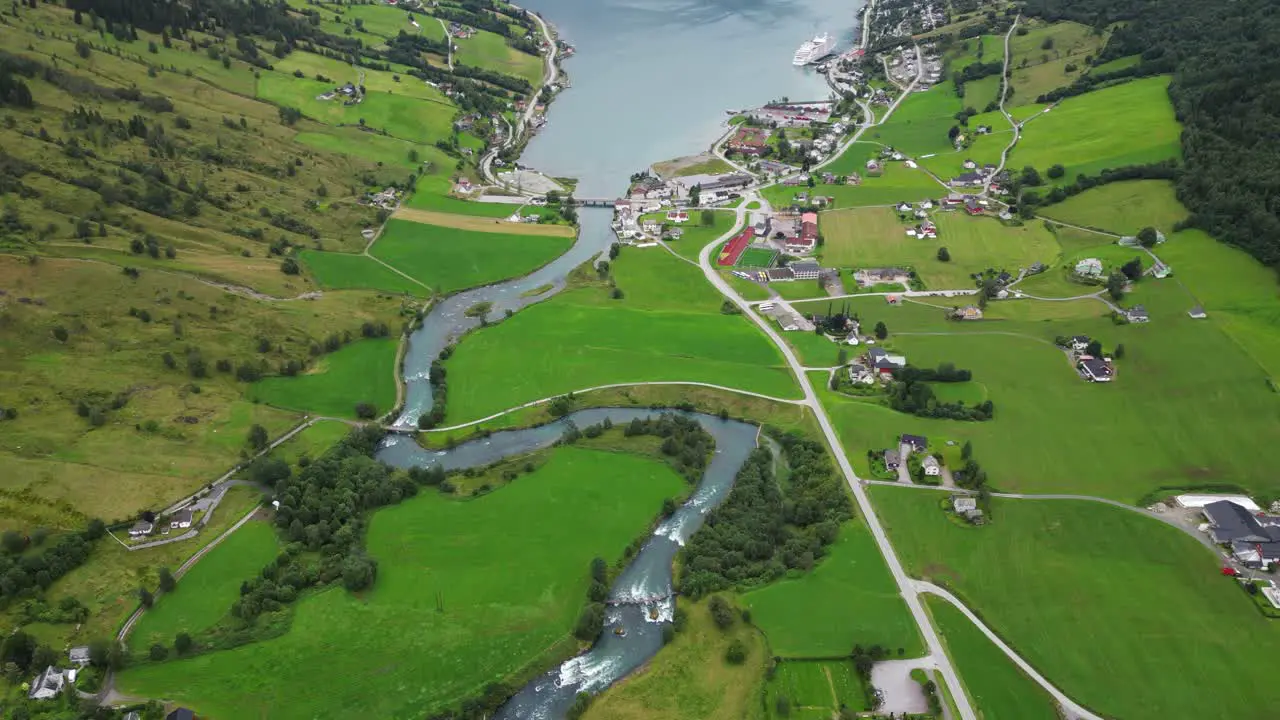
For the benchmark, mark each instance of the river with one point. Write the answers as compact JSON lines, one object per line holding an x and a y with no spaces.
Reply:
{"x":640,"y":599}
{"x":650,"y":81}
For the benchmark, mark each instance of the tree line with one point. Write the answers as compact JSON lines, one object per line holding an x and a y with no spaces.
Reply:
{"x":910,"y":392}
{"x":25,"y":574}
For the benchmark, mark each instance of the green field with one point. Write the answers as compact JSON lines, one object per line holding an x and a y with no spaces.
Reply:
{"x":919,"y":126}
{"x":343,"y":271}
{"x":424,"y":200}
{"x":446,"y":615}
{"x":363,"y":371}
{"x":1127,"y":124}
{"x":1037,"y":69}
{"x":667,"y":326}
{"x":756,"y":258}
{"x":450,"y":259}
{"x":1104,"y":583}
{"x":875,"y":237}
{"x":689,"y":679}
{"x":997,"y":688}
{"x":1122,"y":207}
{"x":205,"y":594}
{"x":313,"y":441}
{"x":848,"y":599}
{"x":898,"y":183}
{"x":1159,"y":424}
{"x":491,"y":51}
{"x":816,"y":689}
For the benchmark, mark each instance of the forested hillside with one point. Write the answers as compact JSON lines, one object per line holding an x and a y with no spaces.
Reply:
{"x":1226,"y":91}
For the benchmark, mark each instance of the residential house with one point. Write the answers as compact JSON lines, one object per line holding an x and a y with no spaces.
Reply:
{"x":48,"y":684}
{"x":964,"y":504}
{"x":926,"y":205}
{"x":873,"y":167}
{"x":1094,"y":369}
{"x":969,"y":165}
{"x":806,"y":270}
{"x":675,"y":234}
{"x":132,"y":715}
{"x":884,"y":363}
{"x":968,"y":312}
{"x":891,"y":460}
{"x":972,"y":207}
{"x":79,"y":655}
{"x":1137,"y":314}
{"x":141,"y":528}
{"x":861,"y":375}
{"x":969,"y":178}
{"x":904,"y":207}
{"x":181,"y":714}
{"x":181,"y":519}
{"x":1089,"y":267}
{"x":651,"y":227}
{"x":1079,"y":343}
{"x":677,"y":217}
{"x":918,"y":443}
{"x":931,"y":466}
{"x":1197,"y":313}
{"x":1254,"y":539}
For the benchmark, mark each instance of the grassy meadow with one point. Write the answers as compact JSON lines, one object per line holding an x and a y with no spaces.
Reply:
{"x":689,"y":679}
{"x":450,"y":259}
{"x":446,"y":616}
{"x":919,"y":126}
{"x":349,"y":271}
{"x":1092,"y":573}
{"x":667,"y":326}
{"x":1037,"y":69}
{"x":362,"y":372}
{"x":205,"y":594}
{"x":997,"y":688}
{"x":1127,"y":124}
{"x":896,"y":184}
{"x":1122,"y":207}
{"x":814,"y":689}
{"x":848,"y":599}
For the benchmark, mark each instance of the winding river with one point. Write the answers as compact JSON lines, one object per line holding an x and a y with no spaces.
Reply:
{"x":640,"y":600}
{"x":651,"y":81}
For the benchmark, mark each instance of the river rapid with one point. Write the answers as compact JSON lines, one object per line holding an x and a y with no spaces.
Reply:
{"x":651,"y":81}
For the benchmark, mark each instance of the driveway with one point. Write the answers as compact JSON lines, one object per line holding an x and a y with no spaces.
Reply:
{"x":901,"y":693}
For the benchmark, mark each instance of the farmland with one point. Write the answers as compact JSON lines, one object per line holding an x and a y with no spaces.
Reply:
{"x":444,"y":618}
{"x":449,"y":259}
{"x":1041,"y":58}
{"x":1078,"y":564}
{"x":689,"y":679}
{"x":875,"y":237}
{"x":346,"y":271}
{"x":1122,"y":207}
{"x":204,"y":595}
{"x":667,"y":326}
{"x":848,"y":599}
{"x":814,"y":689}
{"x":997,"y":687}
{"x":921,"y":123}
{"x":896,"y":184}
{"x":1140,"y":128}
{"x":362,"y":372}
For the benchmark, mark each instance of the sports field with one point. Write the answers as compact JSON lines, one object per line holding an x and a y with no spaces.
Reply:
{"x":483,"y":224}
{"x":997,"y":688}
{"x":1127,"y":608}
{"x":204,"y":595}
{"x":1127,"y":124}
{"x":362,"y":372}
{"x":446,"y":616}
{"x":875,"y":237}
{"x":814,"y":689}
{"x":849,"y":598}
{"x":689,"y":679}
{"x":757,"y":257}
{"x":1122,"y":207}
{"x":449,"y":259}
{"x":344,"y":271}
{"x":1161,"y":423}
{"x":667,"y":326}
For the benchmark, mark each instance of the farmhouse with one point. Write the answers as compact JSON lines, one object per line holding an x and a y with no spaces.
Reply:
{"x":140,"y":528}
{"x":180,"y":519}
{"x":1197,"y":313}
{"x":884,"y":363}
{"x":931,"y":466}
{"x":1254,"y":542}
{"x":861,"y":375}
{"x":891,"y":460}
{"x":964,"y":504}
{"x":968,"y":312}
{"x":969,"y":178}
{"x":1079,"y":343}
{"x":79,"y":655}
{"x":1137,"y":314}
{"x":48,"y":684}
{"x":1094,"y":369}
{"x":1089,"y":267}
{"x":918,"y":443}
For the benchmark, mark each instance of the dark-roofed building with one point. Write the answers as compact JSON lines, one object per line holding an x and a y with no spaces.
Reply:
{"x":891,"y":460}
{"x":1253,"y":542}
{"x":918,"y":443}
{"x":181,"y":519}
{"x":1137,"y":314}
{"x":1094,"y":369}
{"x":780,"y":274}
{"x":181,"y":714}
{"x":806,"y":270}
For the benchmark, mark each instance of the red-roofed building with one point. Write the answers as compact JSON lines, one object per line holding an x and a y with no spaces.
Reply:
{"x":809,"y":229}
{"x":733,"y":249}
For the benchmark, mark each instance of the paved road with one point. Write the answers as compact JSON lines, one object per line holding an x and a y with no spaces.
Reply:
{"x":932,"y":640}
{"x":551,"y":74}
{"x":1004,"y":92}
{"x":1074,"y":710}
{"x":545,"y":400}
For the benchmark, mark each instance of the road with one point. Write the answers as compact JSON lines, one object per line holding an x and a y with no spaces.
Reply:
{"x":448,"y":41}
{"x":1004,"y":92}
{"x":908,"y":590}
{"x":550,"y":75}
{"x":1074,"y":710}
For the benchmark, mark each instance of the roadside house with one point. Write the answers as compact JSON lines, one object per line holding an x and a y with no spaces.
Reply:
{"x":79,"y":655}
{"x":181,"y":519}
{"x":968,"y":312}
{"x":1253,"y":542}
{"x":918,"y":443}
{"x":964,"y":504}
{"x":141,"y":528}
{"x":1094,"y":369}
{"x":1137,"y":314}
{"x":931,"y":466}
{"x":891,"y":460}
{"x":48,"y":684}
{"x":1197,"y":313}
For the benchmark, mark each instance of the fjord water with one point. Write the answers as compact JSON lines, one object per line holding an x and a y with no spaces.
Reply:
{"x":640,"y":600}
{"x":650,"y":81}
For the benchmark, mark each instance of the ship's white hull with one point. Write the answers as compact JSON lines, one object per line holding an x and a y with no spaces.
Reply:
{"x":814,"y":50}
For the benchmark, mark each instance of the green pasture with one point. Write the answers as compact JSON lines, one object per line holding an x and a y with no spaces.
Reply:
{"x":451,"y":259}
{"x":446,"y":616}
{"x":440,"y":202}
{"x":360,"y":372}
{"x":1131,"y":616}
{"x":1037,"y":70}
{"x":848,"y":599}
{"x":1122,"y":125}
{"x":997,"y":688}
{"x":667,"y":326}
{"x":402,"y":116}
{"x":919,"y":126}
{"x":898,"y":183}
{"x":854,"y":159}
{"x":490,"y":51}
{"x":204,"y":595}
{"x":1122,"y":207}
{"x":1119,"y":63}
{"x":815,"y":689}
{"x":342,"y":271}
{"x":694,"y":235}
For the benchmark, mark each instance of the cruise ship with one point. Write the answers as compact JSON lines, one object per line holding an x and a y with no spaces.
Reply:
{"x":814,"y":50}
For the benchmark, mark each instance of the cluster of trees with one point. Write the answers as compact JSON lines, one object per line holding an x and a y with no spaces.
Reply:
{"x":1217,"y":53}
{"x":971,"y":475}
{"x":760,"y":532}
{"x":910,"y":392}
{"x":436,"y":377}
{"x":22,"y":574}
{"x":1029,"y":200}
{"x":685,"y":443}
{"x":13,"y":89}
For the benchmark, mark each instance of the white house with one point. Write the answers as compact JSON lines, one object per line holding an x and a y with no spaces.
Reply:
{"x":1089,"y":267}
{"x":931,"y":466}
{"x":964,"y":504}
{"x":48,"y":684}
{"x":140,"y":528}
{"x":1079,"y":343}
{"x":79,"y":655}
